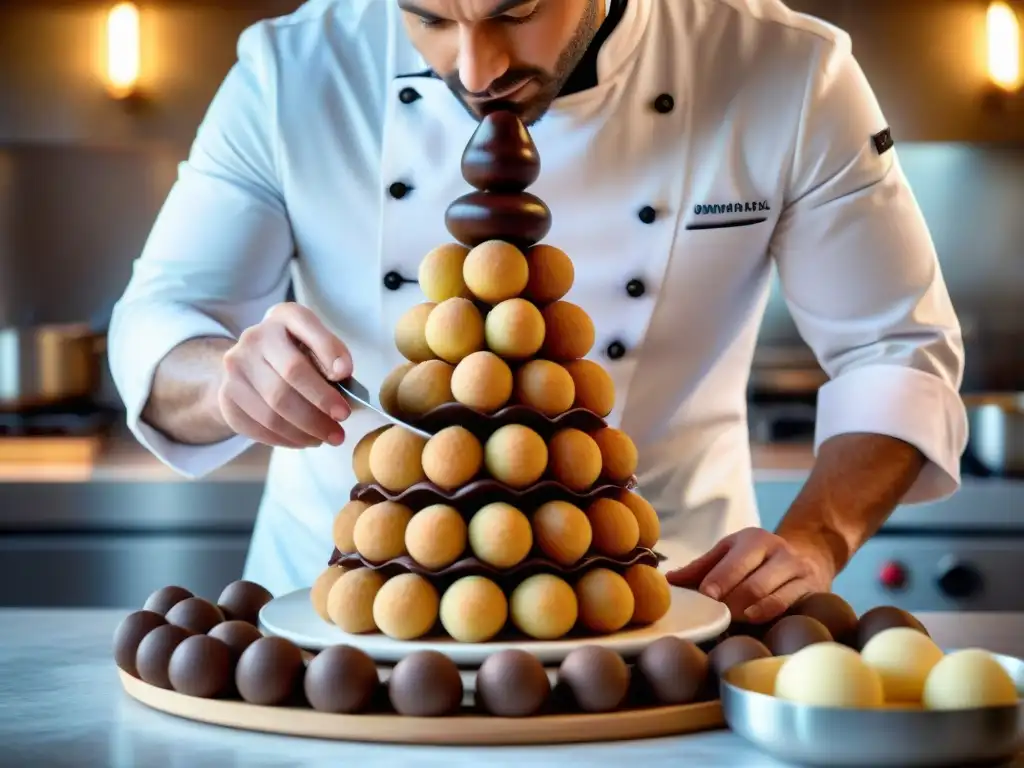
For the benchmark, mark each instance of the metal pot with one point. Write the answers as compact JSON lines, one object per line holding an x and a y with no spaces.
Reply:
{"x":996,"y":422}
{"x":49,"y":365}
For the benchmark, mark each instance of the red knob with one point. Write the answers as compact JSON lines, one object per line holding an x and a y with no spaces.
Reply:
{"x":893,"y":576}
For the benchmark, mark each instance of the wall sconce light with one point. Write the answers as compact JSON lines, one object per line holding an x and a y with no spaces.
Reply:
{"x":1004,"y":47}
{"x":123,"y":50}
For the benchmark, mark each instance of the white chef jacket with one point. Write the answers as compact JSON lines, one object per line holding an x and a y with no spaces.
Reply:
{"x":723,"y":136}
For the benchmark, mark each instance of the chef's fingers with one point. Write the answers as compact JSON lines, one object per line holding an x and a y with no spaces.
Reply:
{"x":236,"y":392}
{"x":773,"y":573}
{"x":304,"y":325}
{"x":780,"y":601}
{"x":727,"y":573}
{"x":244,"y":424}
{"x":693,"y":573}
{"x":294,"y":366}
{"x":296,"y":414}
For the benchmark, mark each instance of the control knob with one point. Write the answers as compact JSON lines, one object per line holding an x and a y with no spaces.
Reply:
{"x":959,"y":580}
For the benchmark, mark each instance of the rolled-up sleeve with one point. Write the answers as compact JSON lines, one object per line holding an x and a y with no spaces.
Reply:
{"x":218,"y":254}
{"x":862,"y":280}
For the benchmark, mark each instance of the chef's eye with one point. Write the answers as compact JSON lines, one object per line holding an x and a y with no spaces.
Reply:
{"x":518,"y":19}
{"x":520,"y":16}
{"x":433,"y":23}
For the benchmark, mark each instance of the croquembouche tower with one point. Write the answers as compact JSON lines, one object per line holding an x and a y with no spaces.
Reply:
{"x":518,"y":518}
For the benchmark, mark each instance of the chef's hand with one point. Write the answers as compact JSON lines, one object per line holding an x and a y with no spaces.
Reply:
{"x":758,"y":574}
{"x":270,"y":390}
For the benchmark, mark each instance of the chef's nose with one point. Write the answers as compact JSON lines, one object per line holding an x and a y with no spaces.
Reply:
{"x":482,"y":59}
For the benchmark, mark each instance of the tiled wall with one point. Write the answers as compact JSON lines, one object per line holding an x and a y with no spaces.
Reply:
{"x":81,"y":177}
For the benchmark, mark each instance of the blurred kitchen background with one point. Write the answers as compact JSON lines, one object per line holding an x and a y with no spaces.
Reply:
{"x":88,"y":153}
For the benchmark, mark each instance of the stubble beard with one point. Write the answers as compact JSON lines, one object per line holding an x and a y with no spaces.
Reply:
{"x":551,"y":83}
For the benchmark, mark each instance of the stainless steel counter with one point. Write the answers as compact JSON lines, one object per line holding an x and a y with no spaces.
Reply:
{"x":61,"y":705}
{"x":107,"y":531}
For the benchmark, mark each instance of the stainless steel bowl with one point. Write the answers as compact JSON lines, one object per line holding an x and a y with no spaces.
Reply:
{"x":49,"y":365}
{"x":996,"y":427}
{"x":820,"y":736}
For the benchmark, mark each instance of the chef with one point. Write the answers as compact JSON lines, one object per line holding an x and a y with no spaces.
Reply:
{"x":687,"y":146}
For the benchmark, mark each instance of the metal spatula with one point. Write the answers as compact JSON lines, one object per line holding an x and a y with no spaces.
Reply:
{"x":354,"y":391}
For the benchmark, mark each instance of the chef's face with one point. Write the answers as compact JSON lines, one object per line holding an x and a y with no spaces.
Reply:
{"x":503,"y":54}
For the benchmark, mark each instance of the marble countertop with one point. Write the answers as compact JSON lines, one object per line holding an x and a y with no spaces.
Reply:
{"x":61,"y":705}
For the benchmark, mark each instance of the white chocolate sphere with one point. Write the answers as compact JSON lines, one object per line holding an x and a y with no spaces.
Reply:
{"x":829,"y":675}
{"x":902,"y":657}
{"x":969,"y":679}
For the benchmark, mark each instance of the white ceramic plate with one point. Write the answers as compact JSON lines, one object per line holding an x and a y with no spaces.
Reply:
{"x":692,"y":617}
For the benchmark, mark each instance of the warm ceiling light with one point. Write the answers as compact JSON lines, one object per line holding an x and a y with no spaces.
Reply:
{"x":1004,"y":44}
{"x":123,"y":49}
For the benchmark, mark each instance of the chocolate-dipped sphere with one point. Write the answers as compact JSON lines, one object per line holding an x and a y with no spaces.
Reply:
{"x":425,"y":684}
{"x":201,"y":666}
{"x":734,"y":650}
{"x":748,"y":629}
{"x":597,"y":678}
{"x":270,"y":672}
{"x":831,"y":610}
{"x":518,"y":218}
{"x":675,"y":669}
{"x":882,"y":618}
{"x":501,"y":155}
{"x":512,"y":683}
{"x":242,"y":601}
{"x":236,"y":635}
{"x":129,"y":634}
{"x":341,"y":679}
{"x":153,"y":658}
{"x":196,"y":615}
{"x":166,"y":598}
{"x":791,"y":633}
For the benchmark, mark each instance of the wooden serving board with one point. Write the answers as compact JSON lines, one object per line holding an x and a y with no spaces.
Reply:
{"x":463,"y":730}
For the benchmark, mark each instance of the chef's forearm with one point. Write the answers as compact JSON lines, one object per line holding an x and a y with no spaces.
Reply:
{"x":183,"y":402}
{"x":857,"y":482}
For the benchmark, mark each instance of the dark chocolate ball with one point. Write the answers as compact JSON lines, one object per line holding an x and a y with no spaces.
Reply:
{"x":882,"y":618}
{"x":748,"y":629}
{"x":734,"y":650}
{"x":501,"y":155}
{"x":831,"y":610}
{"x":196,"y":615}
{"x":675,"y":669}
{"x":518,"y":218}
{"x":201,"y":666}
{"x":236,"y":635}
{"x":166,"y":598}
{"x":425,"y":684}
{"x":269,"y":672}
{"x":342,"y":680}
{"x":153,"y":657}
{"x":791,"y":633}
{"x":596,"y":677}
{"x":512,"y":683}
{"x":242,"y":601}
{"x":129,"y":634}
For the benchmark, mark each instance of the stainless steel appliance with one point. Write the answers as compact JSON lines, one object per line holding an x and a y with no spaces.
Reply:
{"x":109,"y":541}
{"x":963,"y":553}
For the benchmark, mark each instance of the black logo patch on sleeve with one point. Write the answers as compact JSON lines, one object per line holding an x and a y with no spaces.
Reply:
{"x":883,"y":141}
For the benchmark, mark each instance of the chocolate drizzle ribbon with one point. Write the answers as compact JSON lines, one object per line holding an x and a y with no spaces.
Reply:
{"x":471,"y":566}
{"x":483,"y":425}
{"x":480,"y":493}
